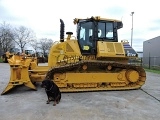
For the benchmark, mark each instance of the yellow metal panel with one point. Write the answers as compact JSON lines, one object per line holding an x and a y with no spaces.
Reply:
{"x":91,"y":77}
{"x":61,"y":50}
{"x":119,"y":48}
{"x":110,"y":49}
{"x":69,"y":48}
{"x":74,"y":47}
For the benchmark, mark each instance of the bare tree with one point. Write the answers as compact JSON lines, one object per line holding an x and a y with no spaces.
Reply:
{"x":45,"y":45}
{"x":23,"y":36}
{"x":6,"y":37}
{"x":34,"y":43}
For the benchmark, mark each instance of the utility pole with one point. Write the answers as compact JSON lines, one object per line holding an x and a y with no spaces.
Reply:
{"x":132,"y":28}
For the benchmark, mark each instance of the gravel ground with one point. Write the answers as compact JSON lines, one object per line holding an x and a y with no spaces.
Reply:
{"x":25,"y":104}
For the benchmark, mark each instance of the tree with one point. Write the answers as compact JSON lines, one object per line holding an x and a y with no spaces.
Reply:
{"x":34,"y":43}
{"x":6,"y":37}
{"x":23,"y":36}
{"x":45,"y":45}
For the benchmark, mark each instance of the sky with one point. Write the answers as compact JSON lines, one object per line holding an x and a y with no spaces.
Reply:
{"x":43,"y":16}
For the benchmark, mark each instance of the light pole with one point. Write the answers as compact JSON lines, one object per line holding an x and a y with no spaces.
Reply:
{"x":132,"y":28}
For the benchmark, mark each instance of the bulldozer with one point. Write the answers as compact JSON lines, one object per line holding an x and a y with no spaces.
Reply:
{"x":94,"y":60}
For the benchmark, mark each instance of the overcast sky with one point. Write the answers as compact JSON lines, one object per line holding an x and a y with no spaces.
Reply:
{"x":42,"y":16}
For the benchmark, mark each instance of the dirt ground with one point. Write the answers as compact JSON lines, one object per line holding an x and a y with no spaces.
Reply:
{"x":25,"y":104}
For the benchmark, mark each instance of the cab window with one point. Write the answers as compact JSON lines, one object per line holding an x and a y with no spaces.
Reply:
{"x":105,"y":30}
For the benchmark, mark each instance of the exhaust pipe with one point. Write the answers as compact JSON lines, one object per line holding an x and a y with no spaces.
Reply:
{"x":61,"y":31}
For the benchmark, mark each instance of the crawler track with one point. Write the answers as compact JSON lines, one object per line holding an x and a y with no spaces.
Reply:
{"x":99,"y":68}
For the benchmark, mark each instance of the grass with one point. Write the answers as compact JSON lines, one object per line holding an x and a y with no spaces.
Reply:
{"x":1,"y":60}
{"x":153,"y":71}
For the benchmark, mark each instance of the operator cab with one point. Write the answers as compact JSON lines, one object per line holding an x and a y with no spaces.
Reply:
{"x":91,"y":30}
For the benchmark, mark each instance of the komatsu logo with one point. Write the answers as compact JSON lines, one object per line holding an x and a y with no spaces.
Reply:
{"x":131,"y":54}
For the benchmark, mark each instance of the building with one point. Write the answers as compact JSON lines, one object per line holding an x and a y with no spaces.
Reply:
{"x":151,"y":52}
{"x":140,"y":54}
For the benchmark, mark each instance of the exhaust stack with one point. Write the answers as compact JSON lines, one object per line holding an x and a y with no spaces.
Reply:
{"x":61,"y":31}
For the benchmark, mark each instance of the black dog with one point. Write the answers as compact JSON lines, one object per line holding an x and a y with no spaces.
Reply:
{"x":52,"y":91}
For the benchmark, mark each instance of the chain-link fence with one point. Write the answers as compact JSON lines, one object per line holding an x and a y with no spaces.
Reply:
{"x":147,"y":62}
{"x":151,"y":62}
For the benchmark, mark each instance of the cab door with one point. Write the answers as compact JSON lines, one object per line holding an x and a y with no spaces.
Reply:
{"x":86,"y":38}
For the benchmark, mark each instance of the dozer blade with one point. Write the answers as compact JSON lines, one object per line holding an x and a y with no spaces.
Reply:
{"x":19,"y":73}
{"x":9,"y":87}
{"x":30,"y":85}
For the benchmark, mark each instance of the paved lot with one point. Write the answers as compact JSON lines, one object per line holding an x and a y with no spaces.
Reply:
{"x":25,"y":104}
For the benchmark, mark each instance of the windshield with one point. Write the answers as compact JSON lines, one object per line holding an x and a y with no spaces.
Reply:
{"x":105,"y":30}
{"x":85,"y":36}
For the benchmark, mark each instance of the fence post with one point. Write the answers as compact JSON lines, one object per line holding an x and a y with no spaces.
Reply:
{"x":149,"y":60}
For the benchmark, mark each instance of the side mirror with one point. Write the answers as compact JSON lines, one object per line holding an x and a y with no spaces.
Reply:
{"x":118,"y":25}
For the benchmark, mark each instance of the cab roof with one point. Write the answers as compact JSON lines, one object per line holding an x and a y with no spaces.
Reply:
{"x":97,"y":18}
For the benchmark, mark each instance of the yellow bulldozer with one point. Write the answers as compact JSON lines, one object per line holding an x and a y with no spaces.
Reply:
{"x":94,"y":60}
